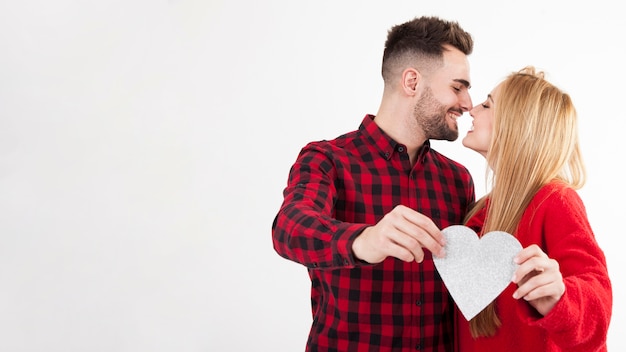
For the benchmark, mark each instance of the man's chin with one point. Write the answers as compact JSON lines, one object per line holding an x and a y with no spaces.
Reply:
{"x":451,"y":136}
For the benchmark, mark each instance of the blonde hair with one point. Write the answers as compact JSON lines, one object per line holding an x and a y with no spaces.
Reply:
{"x":534,"y":141}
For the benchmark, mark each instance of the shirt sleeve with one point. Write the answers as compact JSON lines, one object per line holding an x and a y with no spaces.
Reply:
{"x":580,"y":320}
{"x":305,"y":230}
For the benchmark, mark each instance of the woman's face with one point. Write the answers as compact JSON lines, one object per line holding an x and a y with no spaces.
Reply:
{"x":478,"y":138}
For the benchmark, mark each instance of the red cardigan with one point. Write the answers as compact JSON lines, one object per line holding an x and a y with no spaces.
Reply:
{"x":556,"y":220}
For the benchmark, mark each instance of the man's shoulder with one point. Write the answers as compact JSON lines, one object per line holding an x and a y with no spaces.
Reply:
{"x":342,"y":141}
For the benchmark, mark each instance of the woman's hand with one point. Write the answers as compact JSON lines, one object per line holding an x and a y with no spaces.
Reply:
{"x":538,"y":279}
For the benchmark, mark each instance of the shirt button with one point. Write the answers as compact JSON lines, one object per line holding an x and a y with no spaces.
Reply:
{"x":400,"y":149}
{"x":417,"y":347}
{"x":418,"y":302}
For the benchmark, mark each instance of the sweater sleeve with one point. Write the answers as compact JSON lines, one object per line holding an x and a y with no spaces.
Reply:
{"x":580,"y":320}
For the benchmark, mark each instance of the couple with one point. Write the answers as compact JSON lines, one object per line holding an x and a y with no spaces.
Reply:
{"x":364,"y":212}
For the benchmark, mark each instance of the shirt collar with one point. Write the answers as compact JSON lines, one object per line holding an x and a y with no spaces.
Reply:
{"x":386,"y":144}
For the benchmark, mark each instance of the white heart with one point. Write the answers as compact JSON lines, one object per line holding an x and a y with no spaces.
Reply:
{"x":476,"y":270}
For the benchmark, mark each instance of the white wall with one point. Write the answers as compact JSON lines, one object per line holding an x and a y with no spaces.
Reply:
{"x":144,"y":146}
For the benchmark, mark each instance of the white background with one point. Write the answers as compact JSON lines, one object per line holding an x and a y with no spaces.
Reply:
{"x":144,"y":147}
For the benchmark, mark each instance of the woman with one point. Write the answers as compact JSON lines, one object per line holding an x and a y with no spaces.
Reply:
{"x":560,"y":298}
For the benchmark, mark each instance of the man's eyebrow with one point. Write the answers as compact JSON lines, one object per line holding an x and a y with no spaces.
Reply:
{"x":463,"y":82}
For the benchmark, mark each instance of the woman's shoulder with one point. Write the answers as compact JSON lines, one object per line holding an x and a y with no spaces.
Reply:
{"x":557,"y":193}
{"x":556,"y":187}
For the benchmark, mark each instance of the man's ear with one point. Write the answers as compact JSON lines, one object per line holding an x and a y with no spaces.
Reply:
{"x":410,"y":80}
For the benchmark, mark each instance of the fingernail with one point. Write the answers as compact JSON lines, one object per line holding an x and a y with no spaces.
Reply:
{"x":513,"y":278}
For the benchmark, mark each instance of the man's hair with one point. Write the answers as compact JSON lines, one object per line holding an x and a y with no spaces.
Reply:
{"x":420,"y":42}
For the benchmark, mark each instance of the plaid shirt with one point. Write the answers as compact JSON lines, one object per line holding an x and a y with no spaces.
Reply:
{"x":335,"y":190}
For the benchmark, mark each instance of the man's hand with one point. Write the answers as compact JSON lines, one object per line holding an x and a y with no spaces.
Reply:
{"x":401,"y":233}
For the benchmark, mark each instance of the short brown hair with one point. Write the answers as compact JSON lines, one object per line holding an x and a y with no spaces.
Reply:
{"x":423,"y":37}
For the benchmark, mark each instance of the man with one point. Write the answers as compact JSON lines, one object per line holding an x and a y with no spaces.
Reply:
{"x":363,"y":212}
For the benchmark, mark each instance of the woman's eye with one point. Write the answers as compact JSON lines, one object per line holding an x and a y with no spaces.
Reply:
{"x":485,"y":106}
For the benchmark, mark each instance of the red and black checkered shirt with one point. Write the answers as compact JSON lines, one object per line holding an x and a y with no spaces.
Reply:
{"x":337,"y":188}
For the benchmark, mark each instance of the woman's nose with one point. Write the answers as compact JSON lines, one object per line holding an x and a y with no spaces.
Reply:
{"x":471,"y":112}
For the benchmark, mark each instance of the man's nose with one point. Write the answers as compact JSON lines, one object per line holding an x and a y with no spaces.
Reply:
{"x":466,"y":102}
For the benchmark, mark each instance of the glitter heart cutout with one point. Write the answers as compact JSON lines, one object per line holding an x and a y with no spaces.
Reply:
{"x":476,"y":270}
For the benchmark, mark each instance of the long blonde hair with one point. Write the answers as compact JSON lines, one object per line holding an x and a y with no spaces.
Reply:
{"x":534,"y":141}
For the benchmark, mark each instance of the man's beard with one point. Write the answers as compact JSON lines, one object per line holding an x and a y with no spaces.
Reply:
{"x":431,"y":116}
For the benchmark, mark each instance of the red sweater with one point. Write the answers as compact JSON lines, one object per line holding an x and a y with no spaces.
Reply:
{"x":556,"y":220}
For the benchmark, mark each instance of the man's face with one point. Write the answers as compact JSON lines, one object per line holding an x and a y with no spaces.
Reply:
{"x":445,"y":97}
